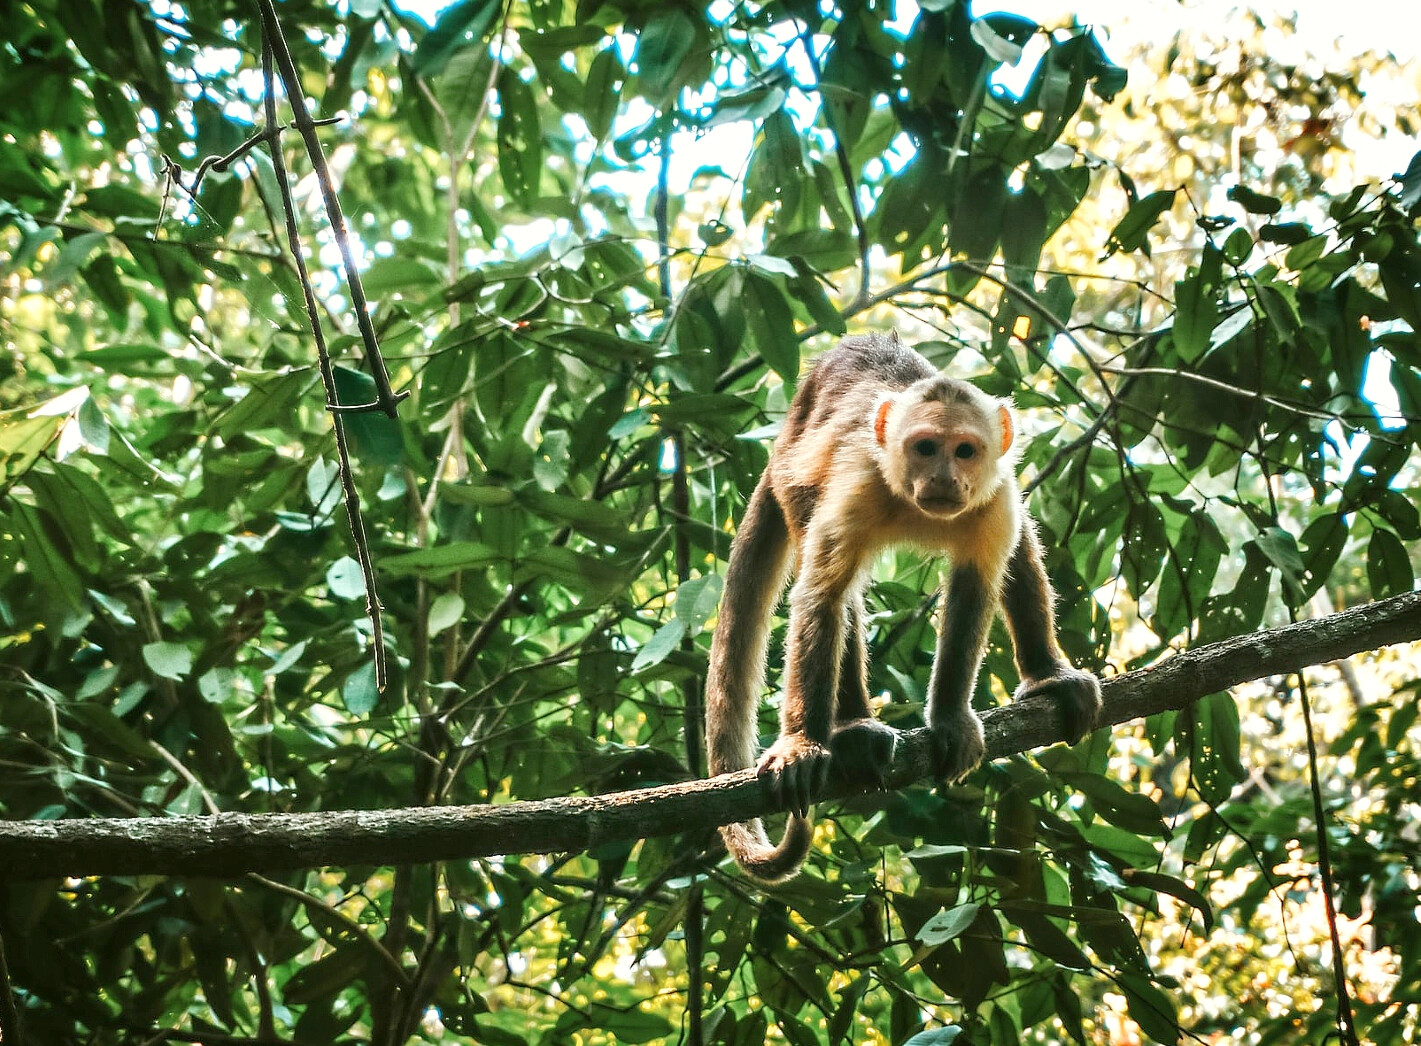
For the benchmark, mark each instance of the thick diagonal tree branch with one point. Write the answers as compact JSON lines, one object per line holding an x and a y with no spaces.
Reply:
{"x":227,"y":845}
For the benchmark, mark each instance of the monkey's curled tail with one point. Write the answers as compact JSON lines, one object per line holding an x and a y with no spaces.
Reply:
{"x":759,"y":558}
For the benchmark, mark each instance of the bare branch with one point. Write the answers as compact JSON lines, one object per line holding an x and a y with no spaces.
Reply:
{"x":227,"y":845}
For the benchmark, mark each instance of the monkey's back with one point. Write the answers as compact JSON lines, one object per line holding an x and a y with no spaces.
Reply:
{"x":829,"y":427}
{"x":847,"y":381}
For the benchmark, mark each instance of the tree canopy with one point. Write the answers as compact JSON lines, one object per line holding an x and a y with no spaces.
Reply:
{"x":379,"y":397}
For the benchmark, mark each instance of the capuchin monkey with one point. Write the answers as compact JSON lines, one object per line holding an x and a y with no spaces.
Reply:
{"x":878,"y":449}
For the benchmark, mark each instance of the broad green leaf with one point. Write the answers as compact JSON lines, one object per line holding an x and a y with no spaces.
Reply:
{"x":663,"y":45}
{"x":1388,"y":566}
{"x":771,"y":325}
{"x":948,"y":924}
{"x":374,"y":436}
{"x":55,"y":578}
{"x":1175,"y":887}
{"x":168,"y":660}
{"x":288,"y":658}
{"x":603,"y":91}
{"x":1132,"y":231}
{"x":1254,"y":202}
{"x":1213,"y":734}
{"x":1196,"y":316}
{"x":660,"y":645}
{"x":446,"y":611}
{"x":23,"y":440}
{"x":935,"y":1037}
{"x":998,"y":48}
{"x":345,"y":579}
{"x":438,"y":562}
{"x":460,"y":25}
{"x":1410,"y":194}
{"x":520,"y":138}
{"x":1153,"y":1010}
{"x":696,"y":600}
{"x":359,"y":692}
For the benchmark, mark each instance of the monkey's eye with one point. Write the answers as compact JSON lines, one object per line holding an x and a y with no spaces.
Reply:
{"x":925,"y":448}
{"x":964,"y":451}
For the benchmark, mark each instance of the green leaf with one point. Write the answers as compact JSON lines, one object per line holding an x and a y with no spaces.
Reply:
{"x":520,"y":138}
{"x":459,"y":26}
{"x":1196,"y":317}
{"x":602,"y":91}
{"x":1213,"y":734}
{"x":771,"y":325}
{"x":374,"y":435}
{"x":268,"y":403}
{"x":345,"y":579}
{"x":1410,"y":194}
{"x":359,"y":692}
{"x":664,"y":43}
{"x":55,"y":579}
{"x":1281,"y":549}
{"x":1254,"y":202}
{"x":215,"y":685}
{"x":935,"y":1037}
{"x":998,"y":48}
{"x":1238,"y":247}
{"x":696,"y":600}
{"x":1285,"y":232}
{"x":168,"y":660}
{"x":1232,"y":325}
{"x":446,"y":610}
{"x":288,"y":658}
{"x":1388,"y":566}
{"x":632,"y":1025}
{"x":1150,"y":1008}
{"x":1131,"y":233}
{"x":440,"y":561}
{"x":1178,"y":888}
{"x":387,"y":276}
{"x":948,"y":924}
{"x":22,"y":441}
{"x":714,"y":233}
{"x":660,"y":645}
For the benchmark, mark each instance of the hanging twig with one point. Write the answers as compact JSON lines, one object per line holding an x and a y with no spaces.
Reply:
{"x":691,"y":698}
{"x":272,"y":46}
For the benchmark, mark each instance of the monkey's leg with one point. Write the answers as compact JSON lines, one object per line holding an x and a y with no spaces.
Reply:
{"x":759,"y":561}
{"x":862,"y":746}
{"x":1028,"y":603}
{"x":797,"y":764}
{"x":961,"y":643}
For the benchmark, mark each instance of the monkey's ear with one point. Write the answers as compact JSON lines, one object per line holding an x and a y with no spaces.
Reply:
{"x":1004,"y":415}
{"x":880,"y":419}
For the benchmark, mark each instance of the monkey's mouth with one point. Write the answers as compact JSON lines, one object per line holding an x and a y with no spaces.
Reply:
{"x":939,"y":504}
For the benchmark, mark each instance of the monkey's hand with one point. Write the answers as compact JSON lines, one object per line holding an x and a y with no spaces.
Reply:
{"x":1078,"y":694}
{"x":863,"y":750}
{"x":795,"y":768}
{"x":959,"y":745}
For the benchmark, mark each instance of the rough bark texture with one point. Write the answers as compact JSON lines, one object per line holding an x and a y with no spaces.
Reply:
{"x":229,"y":844}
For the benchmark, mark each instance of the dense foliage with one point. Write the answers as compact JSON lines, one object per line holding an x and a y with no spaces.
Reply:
{"x":601,"y":238}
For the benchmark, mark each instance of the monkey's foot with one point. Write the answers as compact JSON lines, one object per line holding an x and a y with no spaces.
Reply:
{"x":1078,"y":694}
{"x":863,"y":751}
{"x":960,"y":745}
{"x":796,"y":768}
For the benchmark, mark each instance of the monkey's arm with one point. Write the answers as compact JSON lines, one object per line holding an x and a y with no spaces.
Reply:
{"x":962,"y":640}
{"x":1028,"y":603}
{"x":862,"y":746}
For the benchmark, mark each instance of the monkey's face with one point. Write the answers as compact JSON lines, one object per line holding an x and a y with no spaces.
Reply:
{"x":945,"y":460}
{"x":943,"y":454}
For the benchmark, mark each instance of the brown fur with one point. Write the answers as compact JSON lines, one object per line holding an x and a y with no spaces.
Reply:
{"x":877,"y":450}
